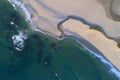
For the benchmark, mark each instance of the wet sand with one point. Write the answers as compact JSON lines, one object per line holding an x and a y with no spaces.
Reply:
{"x":48,"y":14}
{"x":52,"y":12}
{"x":106,"y":46}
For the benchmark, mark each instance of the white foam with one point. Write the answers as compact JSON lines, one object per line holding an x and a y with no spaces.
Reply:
{"x":28,"y":16}
{"x":17,"y":48}
{"x":22,"y":7}
{"x":103,"y":60}
{"x":12,"y":4}
{"x":47,"y":33}
{"x":18,"y":40}
{"x":12,"y":23}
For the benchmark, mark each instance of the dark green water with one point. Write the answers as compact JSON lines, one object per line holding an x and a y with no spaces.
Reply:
{"x":43,"y":57}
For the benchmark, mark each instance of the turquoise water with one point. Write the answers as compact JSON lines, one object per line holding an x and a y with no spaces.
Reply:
{"x":43,"y":57}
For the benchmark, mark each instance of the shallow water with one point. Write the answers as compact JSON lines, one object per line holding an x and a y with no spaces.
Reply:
{"x":43,"y":57}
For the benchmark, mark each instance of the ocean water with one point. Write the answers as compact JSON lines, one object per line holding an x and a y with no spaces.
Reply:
{"x":43,"y":57}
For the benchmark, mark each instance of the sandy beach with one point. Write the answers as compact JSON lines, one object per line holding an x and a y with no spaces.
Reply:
{"x":106,"y":46}
{"x":48,"y":14}
{"x":52,"y":12}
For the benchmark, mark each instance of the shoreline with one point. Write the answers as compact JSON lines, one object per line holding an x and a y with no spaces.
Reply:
{"x":86,"y":44}
{"x":91,"y":26}
{"x":96,"y":53}
{"x":60,"y":29}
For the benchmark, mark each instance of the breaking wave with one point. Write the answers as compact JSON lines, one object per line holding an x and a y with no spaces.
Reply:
{"x":103,"y":60}
{"x":22,"y":7}
{"x":18,"y":40}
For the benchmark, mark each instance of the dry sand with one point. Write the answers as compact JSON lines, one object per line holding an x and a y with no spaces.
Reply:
{"x":47,"y":14}
{"x":106,"y":46}
{"x":52,"y":12}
